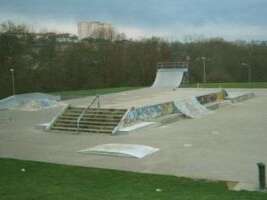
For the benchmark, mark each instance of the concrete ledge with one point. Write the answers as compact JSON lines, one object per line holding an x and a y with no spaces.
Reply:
{"x":135,"y":127}
{"x":218,"y":104}
{"x":168,"y":112}
{"x":170,"y":118}
{"x":240,"y":97}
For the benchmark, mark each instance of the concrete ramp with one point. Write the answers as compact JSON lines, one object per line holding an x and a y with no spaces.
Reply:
{"x":191,"y":108}
{"x":121,"y":150}
{"x":29,"y":102}
{"x":169,"y":77}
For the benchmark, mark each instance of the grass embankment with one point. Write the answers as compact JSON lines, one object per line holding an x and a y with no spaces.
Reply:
{"x":44,"y":181}
{"x":229,"y":85}
{"x":91,"y":92}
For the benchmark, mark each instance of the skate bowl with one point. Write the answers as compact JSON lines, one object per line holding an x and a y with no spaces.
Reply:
{"x":29,"y":102}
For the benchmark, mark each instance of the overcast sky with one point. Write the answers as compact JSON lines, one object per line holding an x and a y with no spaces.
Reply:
{"x":172,"y":19}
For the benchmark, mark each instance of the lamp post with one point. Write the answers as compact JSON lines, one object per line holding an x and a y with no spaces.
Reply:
{"x":13,"y":80}
{"x":249,"y":72}
{"x":204,"y":69}
{"x":188,"y":65}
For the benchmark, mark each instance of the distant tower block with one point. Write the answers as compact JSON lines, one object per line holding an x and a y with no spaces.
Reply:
{"x":96,"y":30}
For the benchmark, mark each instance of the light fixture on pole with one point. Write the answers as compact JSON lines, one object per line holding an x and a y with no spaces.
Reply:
{"x":188,"y":66}
{"x":204,"y":69}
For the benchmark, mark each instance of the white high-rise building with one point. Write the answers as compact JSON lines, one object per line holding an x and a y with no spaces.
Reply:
{"x":96,"y":30}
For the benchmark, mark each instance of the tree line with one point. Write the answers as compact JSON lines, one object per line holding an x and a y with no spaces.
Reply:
{"x":47,"y":62}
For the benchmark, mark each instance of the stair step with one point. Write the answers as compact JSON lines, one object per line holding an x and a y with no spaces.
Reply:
{"x":99,"y":110}
{"x":68,"y":117}
{"x":93,"y":114}
{"x":100,"y":127}
{"x":87,"y":122}
{"x":108,"y":109}
{"x":81,"y":130}
{"x":104,"y":113}
{"x":77,"y":109}
{"x":92,"y":118}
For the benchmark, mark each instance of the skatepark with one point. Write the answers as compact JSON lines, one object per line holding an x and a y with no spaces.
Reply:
{"x":212,"y":134}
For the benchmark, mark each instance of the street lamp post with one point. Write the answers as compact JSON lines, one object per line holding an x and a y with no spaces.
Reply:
{"x":13,"y":80}
{"x":204,"y":69}
{"x":188,"y":65}
{"x":249,"y":72}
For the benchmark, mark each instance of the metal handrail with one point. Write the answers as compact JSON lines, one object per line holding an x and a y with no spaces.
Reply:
{"x":97,"y":98}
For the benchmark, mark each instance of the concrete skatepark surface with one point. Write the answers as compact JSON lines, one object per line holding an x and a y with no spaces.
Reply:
{"x":223,"y":146}
{"x":141,"y":97}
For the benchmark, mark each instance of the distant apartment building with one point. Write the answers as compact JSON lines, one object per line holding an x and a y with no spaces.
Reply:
{"x":96,"y":30}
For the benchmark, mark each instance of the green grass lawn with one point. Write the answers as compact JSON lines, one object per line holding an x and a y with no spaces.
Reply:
{"x":91,"y":92}
{"x":43,"y":181}
{"x":229,"y":85}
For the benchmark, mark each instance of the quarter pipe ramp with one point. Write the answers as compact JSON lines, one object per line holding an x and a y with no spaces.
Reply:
{"x":169,"y":77}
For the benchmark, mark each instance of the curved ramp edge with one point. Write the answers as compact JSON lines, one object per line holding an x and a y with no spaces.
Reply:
{"x":121,"y":150}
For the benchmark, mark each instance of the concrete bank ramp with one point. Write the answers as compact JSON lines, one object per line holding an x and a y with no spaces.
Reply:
{"x":169,"y":77}
{"x":191,"y":108}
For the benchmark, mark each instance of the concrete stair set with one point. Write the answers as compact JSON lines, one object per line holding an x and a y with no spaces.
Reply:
{"x":93,"y":120}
